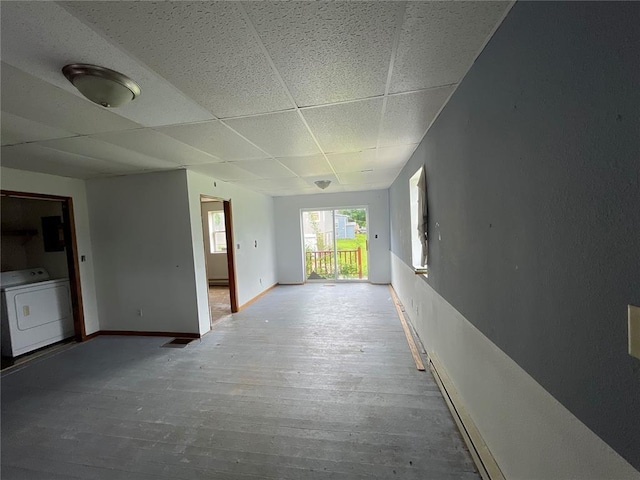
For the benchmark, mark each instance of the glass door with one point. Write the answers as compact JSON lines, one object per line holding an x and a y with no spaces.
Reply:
{"x":335,"y":244}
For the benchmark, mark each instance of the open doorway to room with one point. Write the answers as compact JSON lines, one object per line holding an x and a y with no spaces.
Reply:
{"x":335,"y":244}
{"x":40,"y":279}
{"x":217,"y":227}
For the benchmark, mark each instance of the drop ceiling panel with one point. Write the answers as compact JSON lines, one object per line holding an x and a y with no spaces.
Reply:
{"x":42,"y":37}
{"x":440,"y":40}
{"x":29,"y":97}
{"x":156,"y":145}
{"x":328,"y":51}
{"x":373,"y":159}
{"x":270,"y":186}
{"x":35,"y":158}
{"x":346,"y":127}
{"x":216,"y":139}
{"x":408,"y":115}
{"x":280,"y":134}
{"x":265,"y":168}
{"x":206,"y":49}
{"x":307,"y":166}
{"x":16,"y":129}
{"x":90,"y":147}
{"x":377,"y":177}
{"x":224,"y":171}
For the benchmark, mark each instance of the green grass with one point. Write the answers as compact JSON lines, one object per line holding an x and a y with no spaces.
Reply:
{"x":353,"y":244}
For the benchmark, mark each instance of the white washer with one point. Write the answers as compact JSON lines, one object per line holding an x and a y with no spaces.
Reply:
{"x":36,"y":311}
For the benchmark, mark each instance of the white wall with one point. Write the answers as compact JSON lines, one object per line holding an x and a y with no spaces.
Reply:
{"x":30,"y":182}
{"x":217,"y":268}
{"x":530,"y":434}
{"x":289,"y":232}
{"x":253,"y":221}
{"x":141,"y":232}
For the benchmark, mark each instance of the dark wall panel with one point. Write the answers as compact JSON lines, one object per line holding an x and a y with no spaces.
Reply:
{"x":534,"y":197}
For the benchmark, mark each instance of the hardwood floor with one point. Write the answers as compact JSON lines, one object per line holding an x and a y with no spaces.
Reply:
{"x":308,"y":382}
{"x":219,"y":303}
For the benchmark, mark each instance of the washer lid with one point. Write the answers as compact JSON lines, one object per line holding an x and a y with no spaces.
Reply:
{"x":23,"y":277}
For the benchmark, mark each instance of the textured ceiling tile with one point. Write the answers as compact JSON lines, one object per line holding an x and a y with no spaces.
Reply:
{"x":224,"y":171}
{"x":385,"y":158}
{"x":394,"y":157}
{"x":346,"y":126}
{"x":408,"y":115}
{"x":42,"y":37}
{"x":216,"y":139}
{"x":206,"y":49}
{"x":35,"y":158}
{"x":97,"y":149}
{"x":307,"y":166}
{"x":280,"y":134}
{"x":328,"y":51}
{"x":440,"y":40}
{"x":156,"y":145}
{"x":265,"y":168}
{"x":274,"y":184}
{"x":16,"y":129}
{"x":31,"y":98}
{"x":377,"y":177}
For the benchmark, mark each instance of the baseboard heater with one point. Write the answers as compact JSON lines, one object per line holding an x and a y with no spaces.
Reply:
{"x":219,"y":282}
{"x":482,"y":457}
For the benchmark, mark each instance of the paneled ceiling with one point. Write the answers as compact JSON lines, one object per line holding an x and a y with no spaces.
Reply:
{"x":268,"y":95}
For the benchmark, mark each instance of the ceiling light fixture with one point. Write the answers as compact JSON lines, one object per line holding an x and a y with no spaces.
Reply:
{"x":322,"y":184}
{"x":101,"y":85}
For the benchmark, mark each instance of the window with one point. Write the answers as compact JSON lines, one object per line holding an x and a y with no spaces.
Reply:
{"x":217,"y":233}
{"x":417,"y":200}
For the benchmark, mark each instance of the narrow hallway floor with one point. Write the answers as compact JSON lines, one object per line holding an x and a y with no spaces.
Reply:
{"x":308,"y":382}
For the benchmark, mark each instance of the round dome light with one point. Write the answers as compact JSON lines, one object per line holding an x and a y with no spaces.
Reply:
{"x":101,"y":85}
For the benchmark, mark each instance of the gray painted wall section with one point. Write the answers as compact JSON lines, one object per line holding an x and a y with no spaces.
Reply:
{"x":533,"y":173}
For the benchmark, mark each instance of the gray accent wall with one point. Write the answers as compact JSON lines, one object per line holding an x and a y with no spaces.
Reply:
{"x":533,"y":172}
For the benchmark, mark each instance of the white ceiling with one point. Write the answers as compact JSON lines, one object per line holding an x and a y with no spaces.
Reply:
{"x":269,"y":95}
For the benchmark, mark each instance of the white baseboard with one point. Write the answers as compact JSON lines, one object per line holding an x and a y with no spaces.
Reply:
{"x":528,"y":432}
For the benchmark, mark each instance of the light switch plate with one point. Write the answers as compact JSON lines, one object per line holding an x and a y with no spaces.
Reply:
{"x":634,"y":331}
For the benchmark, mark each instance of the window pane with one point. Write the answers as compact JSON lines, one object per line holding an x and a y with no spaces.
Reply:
{"x":221,"y":241}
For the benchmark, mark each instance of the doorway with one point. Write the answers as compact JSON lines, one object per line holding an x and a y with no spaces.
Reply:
{"x":217,"y":227}
{"x":335,"y":244}
{"x":41,"y":289}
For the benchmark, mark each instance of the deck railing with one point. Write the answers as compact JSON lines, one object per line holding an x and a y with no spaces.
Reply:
{"x":349,"y":263}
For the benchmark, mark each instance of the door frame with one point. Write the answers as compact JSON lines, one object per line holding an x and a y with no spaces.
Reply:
{"x":71,"y":249}
{"x":231,"y":258}
{"x":335,"y":244}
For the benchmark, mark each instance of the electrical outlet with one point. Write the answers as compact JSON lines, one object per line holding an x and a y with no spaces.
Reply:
{"x":140,"y":312}
{"x":634,"y":331}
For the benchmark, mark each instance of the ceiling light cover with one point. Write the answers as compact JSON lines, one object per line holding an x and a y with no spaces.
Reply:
{"x":322,"y":184}
{"x":101,"y":85}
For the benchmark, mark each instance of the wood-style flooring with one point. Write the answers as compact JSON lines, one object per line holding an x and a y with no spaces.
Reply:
{"x":219,"y":303}
{"x":308,"y":382}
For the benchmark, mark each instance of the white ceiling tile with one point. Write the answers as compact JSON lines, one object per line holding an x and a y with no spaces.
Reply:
{"x":35,"y":158}
{"x":90,"y":147}
{"x":224,"y":171}
{"x":394,"y":157}
{"x":265,"y":168}
{"x":156,"y":145}
{"x":29,"y":97}
{"x":408,"y":115}
{"x":440,"y":40}
{"x":206,"y":49}
{"x":281,"y":134}
{"x":377,"y":177}
{"x":216,"y":139}
{"x":42,"y":37}
{"x":328,"y":51}
{"x":307,"y":166}
{"x":346,"y":127}
{"x":16,"y":129}
{"x":331,"y":177}
{"x":275,"y":185}
{"x":366,"y":187}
